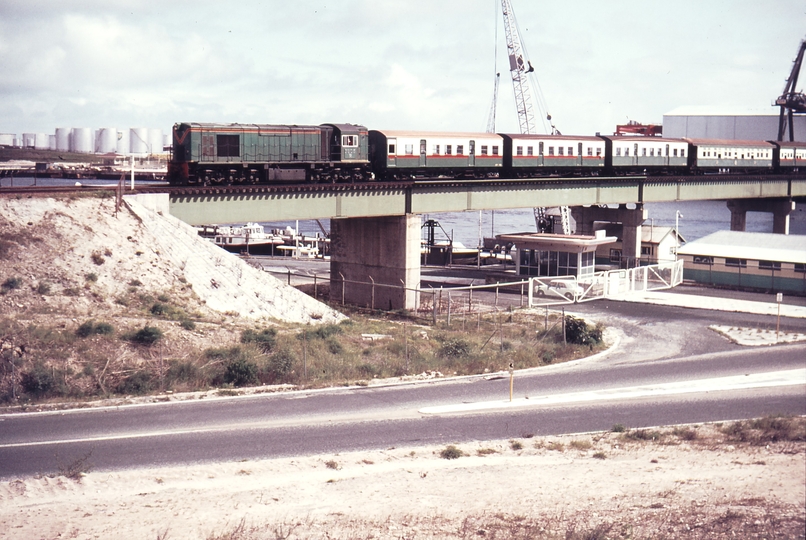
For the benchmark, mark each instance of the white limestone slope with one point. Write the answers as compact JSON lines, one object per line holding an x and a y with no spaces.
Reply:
{"x":224,"y":281}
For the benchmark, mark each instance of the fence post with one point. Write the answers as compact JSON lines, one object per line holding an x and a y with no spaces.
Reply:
{"x":470,"y":297}
{"x":342,"y":287}
{"x":521,"y":293}
{"x":289,"y":276}
{"x":434,"y":305}
{"x":449,"y":308}
{"x":496,"y":293}
{"x":372,"y":306}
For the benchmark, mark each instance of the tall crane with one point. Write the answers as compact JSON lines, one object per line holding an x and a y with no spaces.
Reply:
{"x":791,"y":101}
{"x":491,"y":118}
{"x":519,"y":69}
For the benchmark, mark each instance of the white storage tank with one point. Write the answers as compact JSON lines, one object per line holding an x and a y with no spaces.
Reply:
{"x":123,"y":142}
{"x":63,"y":139}
{"x":82,"y":140}
{"x":28,"y":140}
{"x":51,"y":142}
{"x":155,"y":140}
{"x":7,"y":139}
{"x":106,"y":141}
{"x":139,"y":140}
{"x":41,"y":141}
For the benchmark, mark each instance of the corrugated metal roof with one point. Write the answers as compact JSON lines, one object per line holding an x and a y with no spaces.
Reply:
{"x":790,"y":248}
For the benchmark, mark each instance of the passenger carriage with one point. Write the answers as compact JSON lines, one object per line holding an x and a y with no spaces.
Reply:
{"x":419,"y":154}
{"x":727,"y":155}
{"x":791,"y":155}
{"x":650,"y":154}
{"x":541,"y":155}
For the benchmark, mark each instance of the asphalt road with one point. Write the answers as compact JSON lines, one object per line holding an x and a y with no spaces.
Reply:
{"x":657,"y":347}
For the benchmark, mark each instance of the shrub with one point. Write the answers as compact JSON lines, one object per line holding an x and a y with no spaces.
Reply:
{"x":137,"y":384}
{"x":182,"y":371}
{"x":91,"y":277}
{"x":451,"y":452}
{"x":281,"y":363}
{"x":89,"y":328}
{"x":618,"y":428}
{"x":187,"y":324}
{"x":241,"y":372}
{"x":577,"y":331}
{"x":324,"y":332}
{"x":86,"y":329}
{"x":600,"y":455}
{"x":159,"y":309}
{"x":43,"y":288}
{"x":454,"y":348}
{"x":12,"y":283}
{"x":516,"y":445}
{"x":148,"y":335}
{"x":264,"y":339}
{"x":97,"y":258}
{"x":135,"y":283}
{"x":40,"y":381}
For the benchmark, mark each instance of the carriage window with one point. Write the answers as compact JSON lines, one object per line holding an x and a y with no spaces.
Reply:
{"x":652,"y":152}
{"x":598,"y":152}
{"x":520,"y":151}
{"x":409,"y":149}
{"x":529,"y":151}
{"x":570,"y":150}
{"x":483,"y":150}
{"x":618,"y":151}
{"x":590,"y":151}
{"x":560,"y":150}
{"x":769,"y":265}
{"x":460,"y":149}
{"x":392,"y":149}
{"x":448,"y":149}
{"x":740,"y":263}
{"x":643,"y":151}
{"x":551,"y":150}
{"x":436,"y":149}
{"x":682,"y":153}
{"x":495,"y":150}
{"x":626,"y":151}
{"x":349,"y":140}
{"x":675,"y":152}
{"x":700,"y":259}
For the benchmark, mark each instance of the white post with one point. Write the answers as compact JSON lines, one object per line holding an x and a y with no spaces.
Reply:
{"x":132,"y":187}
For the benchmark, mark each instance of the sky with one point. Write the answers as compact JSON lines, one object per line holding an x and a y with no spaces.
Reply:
{"x":402,"y":64}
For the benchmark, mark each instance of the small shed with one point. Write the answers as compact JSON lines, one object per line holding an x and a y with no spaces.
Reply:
{"x":541,"y":254}
{"x":747,"y":260}
{"x":658,"y":245}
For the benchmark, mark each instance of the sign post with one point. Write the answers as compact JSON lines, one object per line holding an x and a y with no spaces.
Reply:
{"x":778,"y":298}
{"x":511,"y":379}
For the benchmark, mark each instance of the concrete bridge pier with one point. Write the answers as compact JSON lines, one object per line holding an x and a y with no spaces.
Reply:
{"x":385,"y":250}
{"x":631,"y":220}
{"x":780,"y":209}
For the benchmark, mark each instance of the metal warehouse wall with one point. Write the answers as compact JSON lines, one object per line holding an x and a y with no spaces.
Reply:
{"x":746,"y":127}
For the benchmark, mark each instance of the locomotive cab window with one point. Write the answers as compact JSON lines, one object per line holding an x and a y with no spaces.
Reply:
{"x":349,"y":140}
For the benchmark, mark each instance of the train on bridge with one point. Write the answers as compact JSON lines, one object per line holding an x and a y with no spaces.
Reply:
{"x":208,"y":153}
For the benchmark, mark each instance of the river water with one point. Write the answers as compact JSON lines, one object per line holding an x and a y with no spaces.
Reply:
{"x":698,"y":219}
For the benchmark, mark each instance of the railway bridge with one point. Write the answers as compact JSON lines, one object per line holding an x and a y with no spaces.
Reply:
{"x":375,"y":227}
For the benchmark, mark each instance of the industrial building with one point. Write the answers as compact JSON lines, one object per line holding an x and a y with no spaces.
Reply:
{"x":711,"y":123}
{"x":84,"y":140}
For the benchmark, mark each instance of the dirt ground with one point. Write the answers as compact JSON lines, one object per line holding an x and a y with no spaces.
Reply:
{"x":592,"y":485}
